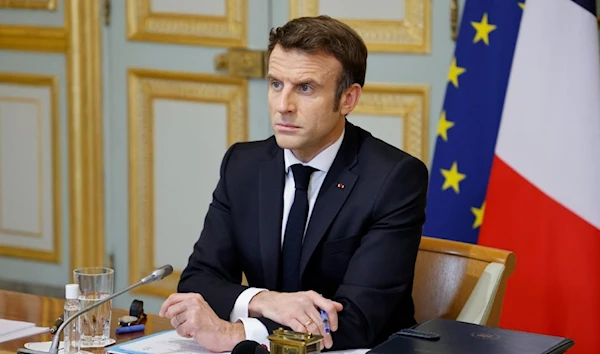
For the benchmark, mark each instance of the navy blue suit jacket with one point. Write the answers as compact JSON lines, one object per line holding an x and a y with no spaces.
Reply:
{"x":359,"y":249}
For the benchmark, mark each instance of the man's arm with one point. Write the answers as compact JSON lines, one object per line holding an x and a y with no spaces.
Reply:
{"x":380,"y":273}
{"x":213,"y":269}
{"x":253,"y":328}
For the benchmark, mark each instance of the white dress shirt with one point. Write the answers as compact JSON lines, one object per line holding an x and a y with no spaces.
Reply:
{"x":253,"y":328}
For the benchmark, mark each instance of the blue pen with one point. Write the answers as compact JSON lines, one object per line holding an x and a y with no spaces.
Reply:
{"x":130,"y":329}
{"x":325,"y":319}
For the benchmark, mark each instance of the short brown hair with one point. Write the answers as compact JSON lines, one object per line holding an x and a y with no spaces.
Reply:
{"x":323,"y":34}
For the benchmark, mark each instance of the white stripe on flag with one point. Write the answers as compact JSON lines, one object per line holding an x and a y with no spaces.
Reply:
{"x":550,"y":129}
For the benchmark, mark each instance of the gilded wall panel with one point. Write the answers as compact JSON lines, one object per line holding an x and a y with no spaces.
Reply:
{"x":167,"y":152}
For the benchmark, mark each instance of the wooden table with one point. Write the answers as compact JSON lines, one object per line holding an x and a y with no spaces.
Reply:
{"x":43,"y":311}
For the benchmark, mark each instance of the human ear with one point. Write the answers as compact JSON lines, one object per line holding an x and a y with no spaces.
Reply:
{"x":349,"y":99}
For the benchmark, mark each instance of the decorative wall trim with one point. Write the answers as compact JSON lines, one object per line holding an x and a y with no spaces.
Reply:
{"x":86,"y":180}
{"x":409,"y":35}
{"x":144,"y":87}
{"x":50,"y":82}
{"x":29,"y":4}
{"x":40,"y":162}
{"x":33,"y":38}
{"x":407,"y":102}
{"x":80,"y":39}
{"x":221,"y":31}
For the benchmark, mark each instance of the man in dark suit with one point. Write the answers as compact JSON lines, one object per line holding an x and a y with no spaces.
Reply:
{"x":321,"y":216}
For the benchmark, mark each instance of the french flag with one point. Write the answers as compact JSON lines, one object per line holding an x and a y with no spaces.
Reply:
{"x":543,"y":196}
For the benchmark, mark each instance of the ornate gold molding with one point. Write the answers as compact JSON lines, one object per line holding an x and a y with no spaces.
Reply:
{"x":80,"y":40}
{"x":454,"y":19}
{"x":33,"y":38}
{"x":409,"y":103}
{"x":222,"y":31}
{"x":86,"y":180}
{"x":51,"y":82}
{"x":29,"y":4}
{"x":409,"y":35}
{"x":145,"y":86}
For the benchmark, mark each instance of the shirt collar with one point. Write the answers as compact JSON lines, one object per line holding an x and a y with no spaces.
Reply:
{"x":321,"y":162}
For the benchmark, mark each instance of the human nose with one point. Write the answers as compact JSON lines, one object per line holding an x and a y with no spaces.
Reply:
{"x":286,"y":103}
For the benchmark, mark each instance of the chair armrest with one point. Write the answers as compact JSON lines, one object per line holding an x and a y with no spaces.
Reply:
{"x":479,"y":304}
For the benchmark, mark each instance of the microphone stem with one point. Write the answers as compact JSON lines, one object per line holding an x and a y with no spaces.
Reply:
{"x":56,"y":339}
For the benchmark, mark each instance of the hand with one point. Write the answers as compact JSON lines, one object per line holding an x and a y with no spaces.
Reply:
{"x":191,"y":315}
{"x":299,"y":311}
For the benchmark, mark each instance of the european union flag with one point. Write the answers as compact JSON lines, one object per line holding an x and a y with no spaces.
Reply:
{"x":470,"y":117}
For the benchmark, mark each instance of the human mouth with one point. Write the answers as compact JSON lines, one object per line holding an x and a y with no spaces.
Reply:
{"x":284,"y":127}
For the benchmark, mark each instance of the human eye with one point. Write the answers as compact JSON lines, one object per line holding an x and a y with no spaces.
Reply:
{"x":276,"y":84}
{"x":305,"y":88}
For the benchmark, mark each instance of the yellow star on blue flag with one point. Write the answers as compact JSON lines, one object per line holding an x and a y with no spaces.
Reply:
{"x":483,"y":28}
{"x":469,"y":119}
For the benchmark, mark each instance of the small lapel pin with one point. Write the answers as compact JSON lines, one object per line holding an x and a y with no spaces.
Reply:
{"x":340,"y":186}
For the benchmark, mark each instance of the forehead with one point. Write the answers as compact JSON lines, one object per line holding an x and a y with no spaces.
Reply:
{"x":295,"y":63}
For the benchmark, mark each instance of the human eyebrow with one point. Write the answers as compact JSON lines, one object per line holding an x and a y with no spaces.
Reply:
{"x":308,"y":82}
{"x":271,"y":77}
{"x":301,"y":82}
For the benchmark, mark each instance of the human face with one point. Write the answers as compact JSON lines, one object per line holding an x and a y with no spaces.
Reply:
{"x":301,"y":97}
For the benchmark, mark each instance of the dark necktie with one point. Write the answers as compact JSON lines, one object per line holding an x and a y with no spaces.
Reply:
{"x":294,"y":230}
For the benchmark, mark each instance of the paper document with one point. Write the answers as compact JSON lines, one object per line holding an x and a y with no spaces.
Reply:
{"x":170,"y":342}
{"x":10,"y":330}
{"x":159,"y":343}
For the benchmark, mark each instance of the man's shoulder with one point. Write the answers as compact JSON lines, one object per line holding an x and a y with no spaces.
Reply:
{"x":377,"y":152}
{"x":252,"y":152}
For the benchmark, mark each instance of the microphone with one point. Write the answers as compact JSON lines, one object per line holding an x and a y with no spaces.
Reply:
{"x":156,"y":275}
{"x":249,"y":347}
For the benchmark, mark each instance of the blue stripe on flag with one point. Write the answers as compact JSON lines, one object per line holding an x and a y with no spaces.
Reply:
{"x":589,"y":5}
{"x":470,"y":118}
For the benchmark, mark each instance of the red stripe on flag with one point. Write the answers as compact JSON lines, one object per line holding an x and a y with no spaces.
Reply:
{"x":555,"y":288}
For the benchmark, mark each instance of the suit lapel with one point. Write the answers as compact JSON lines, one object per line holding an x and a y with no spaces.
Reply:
{"x":270,"y":190}
{"x":333,"y":193}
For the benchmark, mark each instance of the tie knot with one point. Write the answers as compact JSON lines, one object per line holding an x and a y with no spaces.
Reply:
{"x":302,"y":176}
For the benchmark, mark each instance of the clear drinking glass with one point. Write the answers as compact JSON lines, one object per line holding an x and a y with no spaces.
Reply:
{"x":95,"y":283}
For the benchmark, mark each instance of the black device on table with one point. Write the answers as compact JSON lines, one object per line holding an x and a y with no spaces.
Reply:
{"x":136,"y":314}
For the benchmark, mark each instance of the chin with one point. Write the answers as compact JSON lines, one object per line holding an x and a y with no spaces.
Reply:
{"x":287,"y":141}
